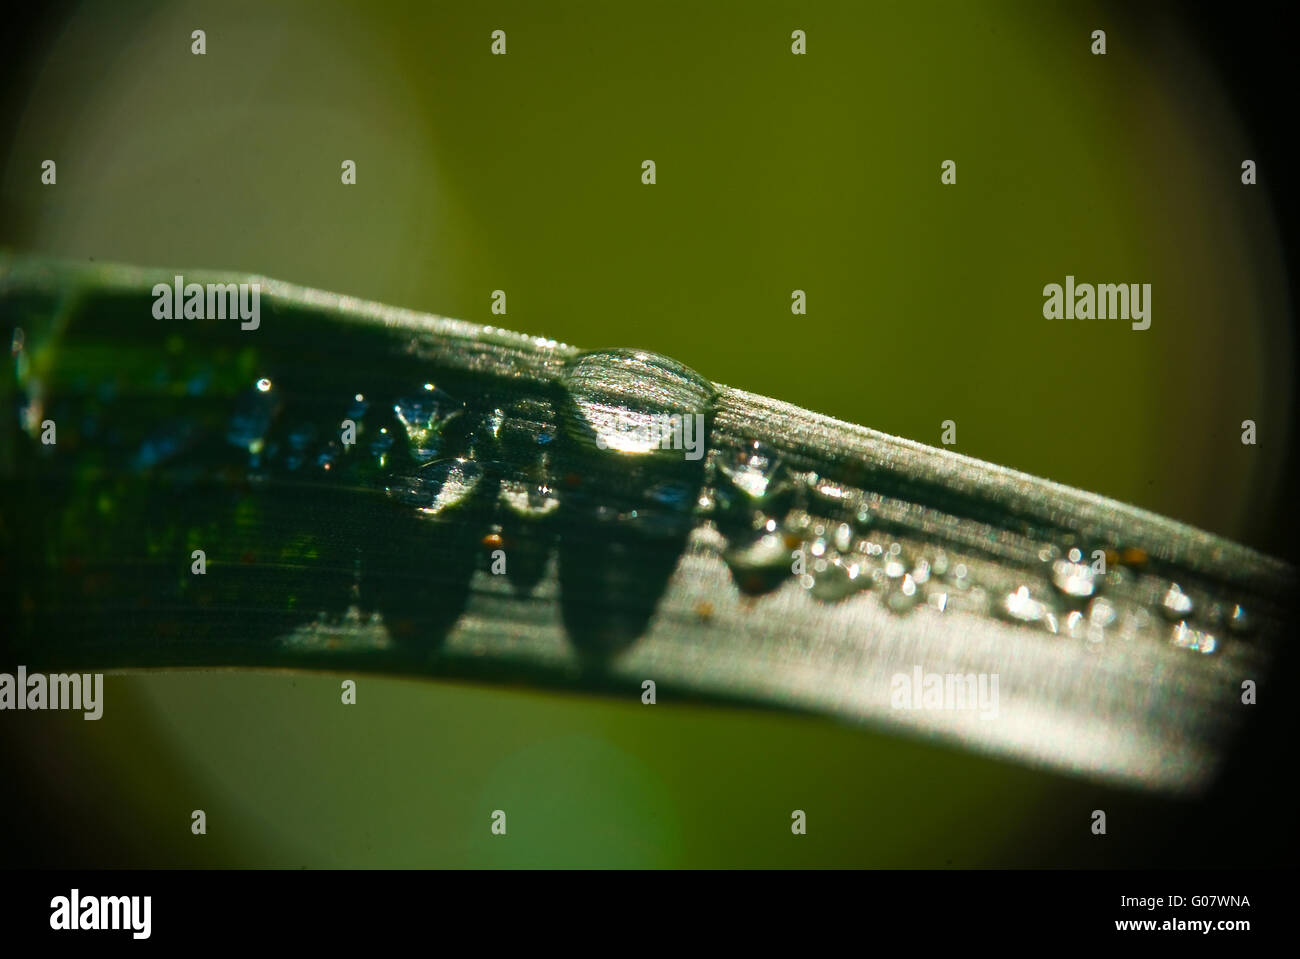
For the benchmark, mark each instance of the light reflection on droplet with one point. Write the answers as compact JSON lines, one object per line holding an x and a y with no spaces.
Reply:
{"x":1239,"y":621}
{"x":1022,"y":607}
{"x":1073,"y":578}
{"x":1176,"y":604}
{"x":1185,"y":637}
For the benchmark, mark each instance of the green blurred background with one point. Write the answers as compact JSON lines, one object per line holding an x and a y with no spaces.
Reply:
{"x":775,"y":172}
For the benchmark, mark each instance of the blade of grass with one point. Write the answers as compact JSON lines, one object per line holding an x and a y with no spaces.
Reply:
{"x":829,"y":568}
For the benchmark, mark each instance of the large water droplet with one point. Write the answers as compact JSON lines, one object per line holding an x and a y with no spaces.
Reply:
{"x":632,"y":447}
{"x":617,"y":402}
{"x":624,"y":401}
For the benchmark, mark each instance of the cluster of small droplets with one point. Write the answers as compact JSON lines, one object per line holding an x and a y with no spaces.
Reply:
{"x":763,"y":509}
{"x":767,"y":515}
{"x":1196,"y":626}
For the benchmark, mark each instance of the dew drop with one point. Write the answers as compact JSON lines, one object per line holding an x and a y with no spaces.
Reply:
{"x":635,"y":440}
{"x":619,"y":401}
{"x":423,"y":418}
{"x":761,"y":564}
{"x":902,"y":594}
{"x":753,"y":470}
{"x":767,"y":552}
{"x":437,"y":487}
